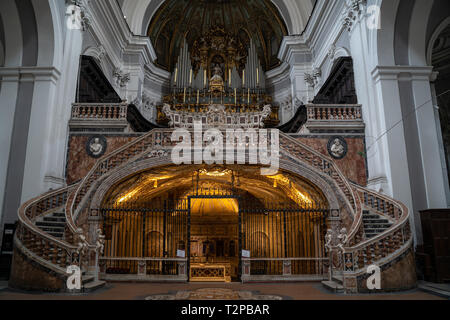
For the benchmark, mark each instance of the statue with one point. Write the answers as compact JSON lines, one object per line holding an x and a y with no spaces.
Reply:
{"x":337,"y":149}
{"x":217,"y":74}
{"x":96,"y":147}
{"x":216,"y":83}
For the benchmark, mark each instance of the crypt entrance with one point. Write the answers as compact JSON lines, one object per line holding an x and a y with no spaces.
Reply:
{"x":207,"y":223}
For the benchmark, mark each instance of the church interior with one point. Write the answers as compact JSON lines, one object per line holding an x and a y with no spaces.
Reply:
{"x":351,"y":96}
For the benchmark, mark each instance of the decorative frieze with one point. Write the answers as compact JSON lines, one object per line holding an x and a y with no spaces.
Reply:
{"x":312,"y":79}
{"x":122,"y":78}
{"x":353,"y":13}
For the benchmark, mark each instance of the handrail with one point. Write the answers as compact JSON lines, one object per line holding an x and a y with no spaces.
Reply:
{"x":387,"y":242}
{"x":326,"y":165}
{"x":334,"y":112}
{"x":52,"y":250}
{"x":96,"y":111}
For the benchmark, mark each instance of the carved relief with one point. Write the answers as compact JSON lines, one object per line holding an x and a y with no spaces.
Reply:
{"x":96,"y":146}
{"x":337,"y":147}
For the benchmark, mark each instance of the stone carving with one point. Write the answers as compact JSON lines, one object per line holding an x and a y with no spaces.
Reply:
{"x":217,"y":117}
{"x":332,"y":52}
{"x":82,"y":244}
{"x":100,"y":245}
{"x":337,"y":147}
{"x":81,"y":18}
{"x":353,"y":12}
{"x":121,"y":77}
{"x":312,"y":79}
{"x":96,"y":146}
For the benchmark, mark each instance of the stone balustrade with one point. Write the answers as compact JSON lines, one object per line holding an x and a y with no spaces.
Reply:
{"x":55,"y":253}
{"x":387,"y":243}
{"x":333,"y":112}
{"x":88,"y":111}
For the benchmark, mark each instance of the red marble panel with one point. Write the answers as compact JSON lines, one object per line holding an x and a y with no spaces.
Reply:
{"x":353,"y":165}
{"x":79,"y":162}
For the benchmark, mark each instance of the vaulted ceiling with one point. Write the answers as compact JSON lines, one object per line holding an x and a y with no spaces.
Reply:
{"x":258,"y":20}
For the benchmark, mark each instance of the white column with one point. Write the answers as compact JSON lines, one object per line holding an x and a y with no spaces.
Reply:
{"x":51,"y":110}
{"x":8,"y":97}
{"x":41,"y":134}
{"x":391,"y":148}
{"x":435,"y":181}
{"x":373,"y":114}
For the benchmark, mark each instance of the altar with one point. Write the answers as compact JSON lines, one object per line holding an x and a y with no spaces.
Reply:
{"x":218,"y":272}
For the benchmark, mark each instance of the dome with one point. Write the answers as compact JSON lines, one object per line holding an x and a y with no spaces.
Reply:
{"x":258,"y":21}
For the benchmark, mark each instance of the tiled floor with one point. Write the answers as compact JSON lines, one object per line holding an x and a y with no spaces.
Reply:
{"x":140,"y":291}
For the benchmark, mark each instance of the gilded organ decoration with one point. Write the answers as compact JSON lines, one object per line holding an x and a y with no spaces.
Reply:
{"x":218,"y":51}
{"x":224,"y":27}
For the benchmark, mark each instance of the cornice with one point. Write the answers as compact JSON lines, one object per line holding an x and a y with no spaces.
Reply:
{"x":404,"y":73}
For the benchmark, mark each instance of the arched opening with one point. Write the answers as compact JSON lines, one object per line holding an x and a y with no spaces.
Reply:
{"x":440,"y":59}
{"x":213,"y":216}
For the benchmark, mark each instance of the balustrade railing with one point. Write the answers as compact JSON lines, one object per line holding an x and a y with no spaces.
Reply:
{"x":385,"y":244}
{"x":90,"y":111}
{"x":333,"y":112}
{"x":56,"y":254}
{"x":286,"y":267}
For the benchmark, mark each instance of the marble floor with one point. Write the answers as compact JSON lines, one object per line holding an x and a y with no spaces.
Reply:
{"x":215,"y":291}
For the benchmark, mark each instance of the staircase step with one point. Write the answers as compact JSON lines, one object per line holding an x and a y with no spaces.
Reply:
{"x":54,"y":219}
{"x":51,"y":224}
{"x":86,"y":279}
{"x":376,"y":220}
{"x":338,"y":278}
{"x":333,"y":286}
{"x":93,"y":285}
{"x":52,"y":229}
{"x":59,"y":214}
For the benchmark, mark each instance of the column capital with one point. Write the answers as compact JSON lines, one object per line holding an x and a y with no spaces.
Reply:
{"x":353,"y":13}
{"x":77,"y":15}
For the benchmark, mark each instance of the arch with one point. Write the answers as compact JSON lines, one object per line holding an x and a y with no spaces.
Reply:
{"x":441,"y":27}
{"x":98,"y":53}
{"x":139,"y":13}
{"x":339,"y":53}
{"x":13,"y":46}
{"x":384,"y":38}
{"x":336,"y":200}
{"x":418,"y":33}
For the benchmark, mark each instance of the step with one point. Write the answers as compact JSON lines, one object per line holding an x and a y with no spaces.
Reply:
{"x":51,"y":224}
{"x":377,"y":226}
{"x":52,"y":229}
{"x":379,"y":220}
{"x":93,"y":285}
{"x":54,"y":219}
{"x":59,"y":214}
{"x":86,"y":279}
{"x":338,"y":278}
{"x":371,"y":216}
{"x":333,"y":286}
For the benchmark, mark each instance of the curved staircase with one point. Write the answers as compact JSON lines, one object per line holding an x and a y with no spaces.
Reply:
{"x":378,"y":227}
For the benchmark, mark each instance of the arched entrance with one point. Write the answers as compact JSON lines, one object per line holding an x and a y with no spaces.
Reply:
{"x":216,"y":219}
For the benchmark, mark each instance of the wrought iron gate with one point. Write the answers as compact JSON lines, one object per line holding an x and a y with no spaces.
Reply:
{"x":280,"y":235}
{"x":275,"y":235}
{"x":152,"y":233}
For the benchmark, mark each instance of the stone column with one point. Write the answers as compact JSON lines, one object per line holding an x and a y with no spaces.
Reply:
{"x":362,"y":55}
{"x":296,"y":53}
{"x":51,"y":110}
